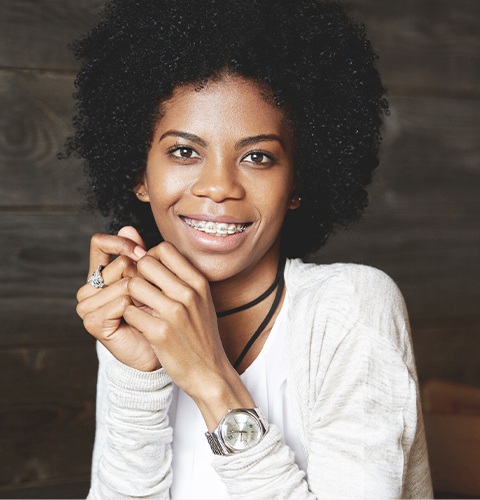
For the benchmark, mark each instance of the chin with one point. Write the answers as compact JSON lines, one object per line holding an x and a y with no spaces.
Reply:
{"x":215,"y":269}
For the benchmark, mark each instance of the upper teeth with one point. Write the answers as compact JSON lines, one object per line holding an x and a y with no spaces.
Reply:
{"x":215,"y":228}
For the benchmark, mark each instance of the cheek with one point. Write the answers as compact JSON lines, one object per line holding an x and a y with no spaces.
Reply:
{"x":164,"y":186}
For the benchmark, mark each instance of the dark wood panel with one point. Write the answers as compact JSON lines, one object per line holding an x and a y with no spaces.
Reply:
{"x":425,"y":45}
{"x":430,"y":159}
{"x":45,"y":442}
{"x":36,"y":114}
{"x":47,"y":413}
{"x":74,"y":489}
{"x":37,"y":33}
{"x":45,"y":261}
{"x":30,"y":376}
{"x":448,"y":349}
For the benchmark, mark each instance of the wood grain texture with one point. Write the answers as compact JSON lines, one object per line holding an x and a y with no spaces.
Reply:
{"x":430,"y":161}
{"x":425,"y":46}
{"x":454,"y":449}
{"x":37,"y":108}
{"x":64,"y":489}
{"x":45,"y":261}
{"x":47,"y":414}
{"x":36,"y":34}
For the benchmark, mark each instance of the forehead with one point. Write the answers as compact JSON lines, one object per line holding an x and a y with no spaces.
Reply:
{"x":228,"y":102}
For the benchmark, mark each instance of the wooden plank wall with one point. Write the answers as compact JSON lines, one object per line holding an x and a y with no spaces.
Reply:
{"x":422,"y":226}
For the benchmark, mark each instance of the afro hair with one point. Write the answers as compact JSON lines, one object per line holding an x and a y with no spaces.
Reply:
{"x":316,"y":61}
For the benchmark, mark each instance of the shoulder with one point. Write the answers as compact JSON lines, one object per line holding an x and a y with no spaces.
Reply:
{"x":351,"y":284}
{"x":336,"y":300}
{"x":355,"y":279}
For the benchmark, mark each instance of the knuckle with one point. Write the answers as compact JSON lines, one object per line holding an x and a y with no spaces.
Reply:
{"x":161,"y":332}
{"x":166,"y":247}
{"x":90,"y":323}
{"x":123,"y":284}
{"x":202,"y":285}
{"x":125,"y":246}
{"x":123,"y":263}
{"x":177,"y":309}
{"x":129,"y":309}
{"x":134,"y":284}
{"x":124,"y":301}
{"x":188,"y":297}
{"x":81,"y":294}
{"x":96,"y":239}
{"x":81,"y":310}
{"x":144,"y":262}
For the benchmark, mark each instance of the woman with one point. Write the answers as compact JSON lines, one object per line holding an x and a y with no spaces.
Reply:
{"x":227,"y":138}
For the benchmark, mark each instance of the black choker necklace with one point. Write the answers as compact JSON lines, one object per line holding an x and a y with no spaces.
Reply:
{"x":279,"y":281}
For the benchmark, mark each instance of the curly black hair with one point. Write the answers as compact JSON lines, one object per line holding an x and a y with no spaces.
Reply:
{"x":316,"y":61}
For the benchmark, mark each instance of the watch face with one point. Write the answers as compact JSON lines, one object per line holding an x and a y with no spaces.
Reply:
{"x":241,"y":430}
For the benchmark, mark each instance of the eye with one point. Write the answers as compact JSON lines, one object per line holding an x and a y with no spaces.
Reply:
{"x":259,"y":158}
{"x":183,"y":153}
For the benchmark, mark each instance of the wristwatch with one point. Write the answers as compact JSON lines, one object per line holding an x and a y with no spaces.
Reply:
{"x":239,"y":430}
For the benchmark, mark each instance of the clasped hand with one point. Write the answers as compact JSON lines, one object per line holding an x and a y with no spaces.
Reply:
{"x":155,"y":310}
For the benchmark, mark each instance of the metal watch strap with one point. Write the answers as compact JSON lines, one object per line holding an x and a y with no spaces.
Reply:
{"x":215,"y":440}
{"x":216,"y":444}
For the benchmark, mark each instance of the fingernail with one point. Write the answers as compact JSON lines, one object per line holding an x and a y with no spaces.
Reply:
{"x":139,"y":251}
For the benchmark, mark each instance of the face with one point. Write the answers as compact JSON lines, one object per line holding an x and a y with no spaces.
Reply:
{"x":219,"y":176}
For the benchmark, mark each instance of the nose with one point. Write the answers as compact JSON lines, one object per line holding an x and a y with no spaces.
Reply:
{"x":218,"y":181}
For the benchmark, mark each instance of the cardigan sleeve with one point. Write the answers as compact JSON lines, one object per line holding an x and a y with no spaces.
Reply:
{"x":365,"y":435}
{"x":366,"y":423}
{"x":132,"y":452}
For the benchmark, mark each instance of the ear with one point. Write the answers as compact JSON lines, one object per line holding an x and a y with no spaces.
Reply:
{"x":295,"y":201}
{"x":141,"y":189}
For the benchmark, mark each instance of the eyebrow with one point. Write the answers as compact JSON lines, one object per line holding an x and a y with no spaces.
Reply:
{"x":247,"y":141}
{"x":184,"y":135}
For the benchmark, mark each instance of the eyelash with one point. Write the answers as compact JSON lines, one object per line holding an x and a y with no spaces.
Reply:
{"x":270,"y":158}
{"x":177,"y":147}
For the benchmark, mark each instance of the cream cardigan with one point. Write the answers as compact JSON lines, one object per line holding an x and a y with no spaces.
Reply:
{"x":351,"y":383}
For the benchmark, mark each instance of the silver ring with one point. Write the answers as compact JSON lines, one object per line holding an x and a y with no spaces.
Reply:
{"x":96,"y":279}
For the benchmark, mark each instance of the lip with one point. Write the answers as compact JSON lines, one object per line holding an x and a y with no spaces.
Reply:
{"x":216,"y":218}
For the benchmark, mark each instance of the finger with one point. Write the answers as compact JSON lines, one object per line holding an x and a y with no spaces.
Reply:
{"x":167,"y":281}
{"x":145,"y":323}
{"x":125,"y":342}
{"x":90,"y":301}
{"x":154,"y":300}
{"x":172,"y":259}
{"x":104,"y":321}
{"x":121,"y":267}
{"x":104,"y":246}
{"x":132,"y":234}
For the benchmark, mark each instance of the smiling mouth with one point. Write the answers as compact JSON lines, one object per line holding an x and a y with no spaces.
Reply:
{"x":216,"y":228}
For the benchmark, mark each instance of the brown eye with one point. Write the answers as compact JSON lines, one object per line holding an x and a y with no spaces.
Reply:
{"x":184,"y":153}
{"x":259,"y":158}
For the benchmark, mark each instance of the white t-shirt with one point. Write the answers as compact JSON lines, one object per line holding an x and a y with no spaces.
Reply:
{"x":265,"y":378}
